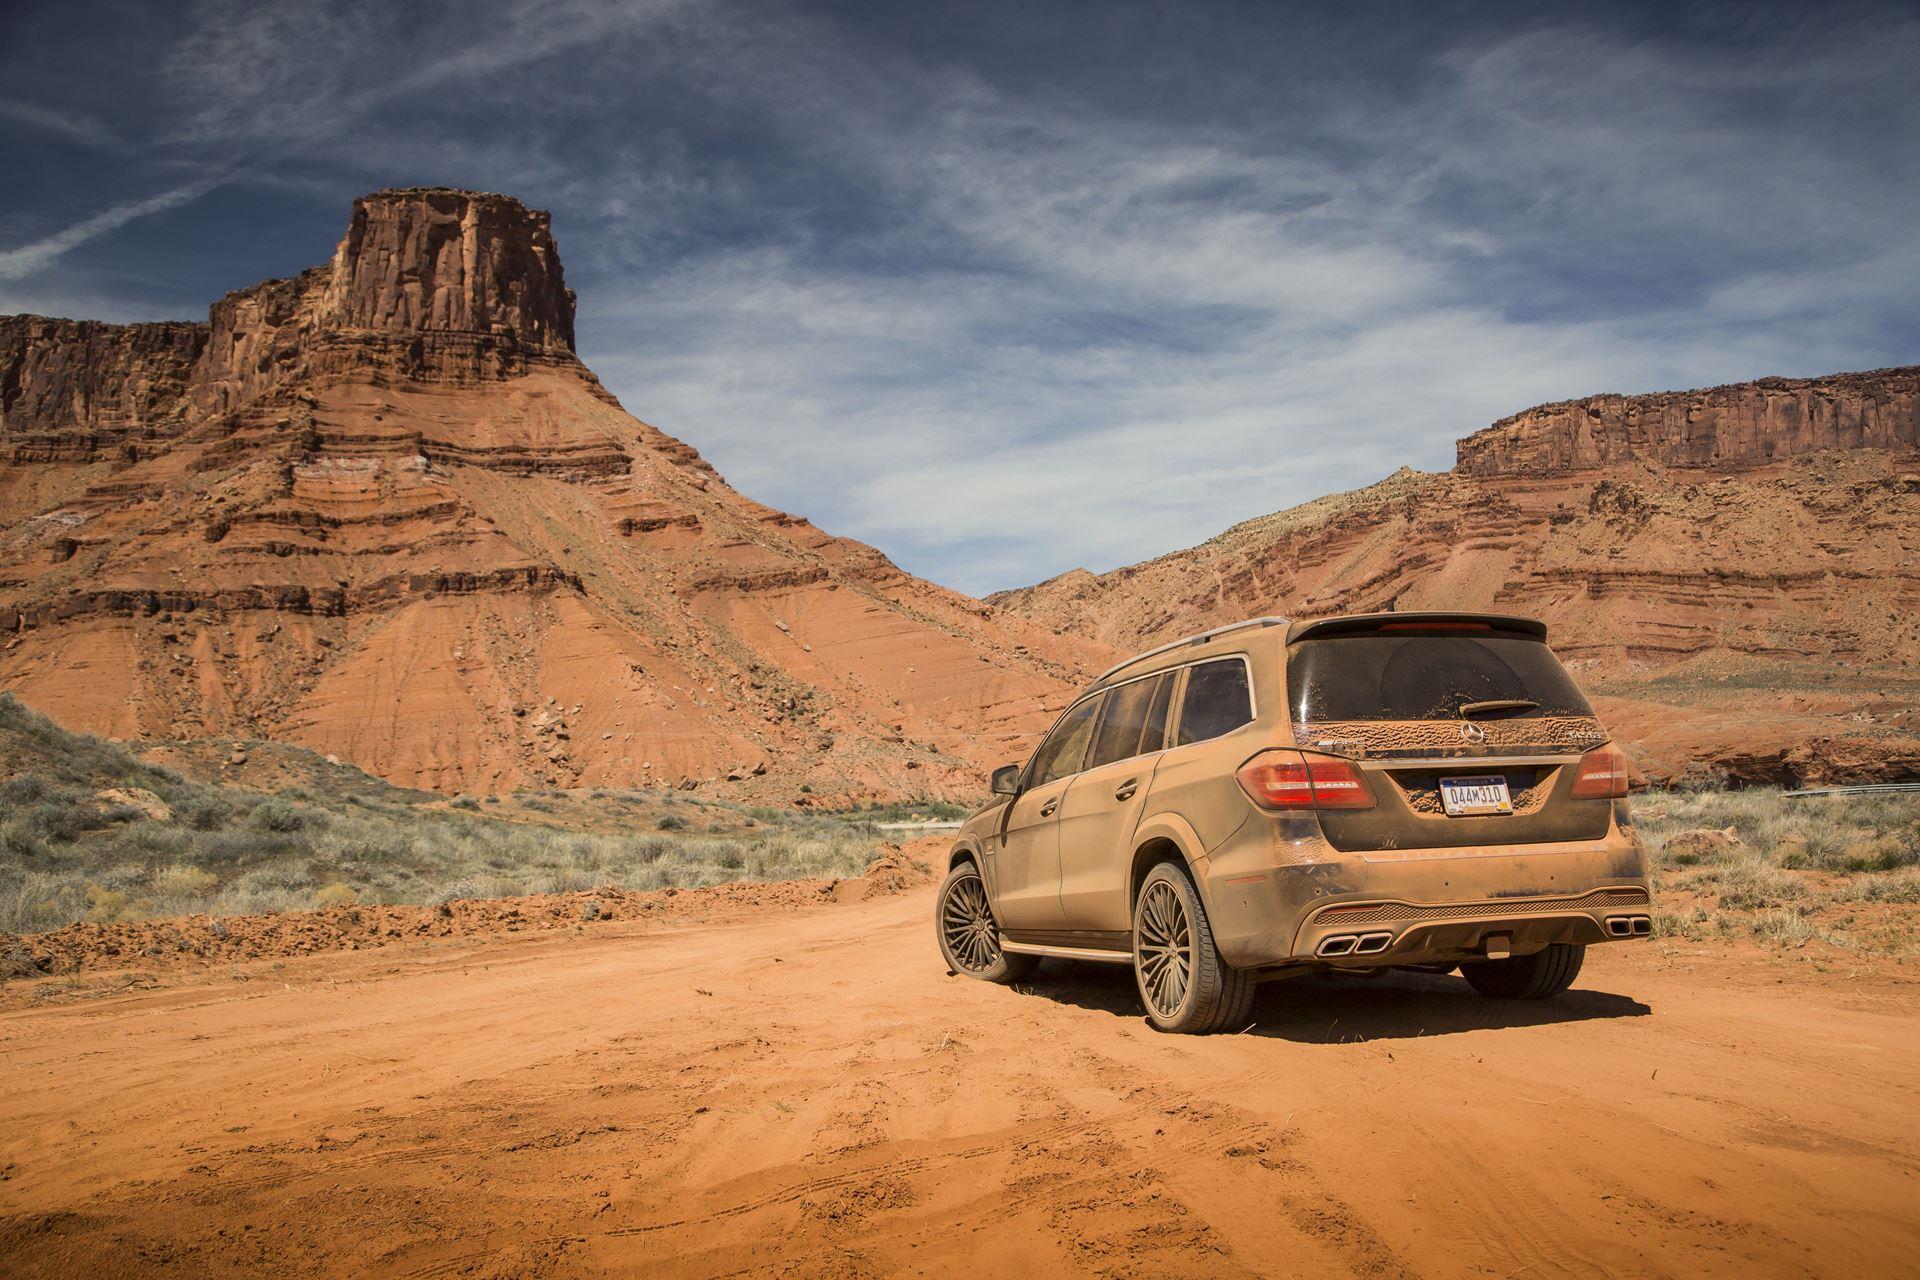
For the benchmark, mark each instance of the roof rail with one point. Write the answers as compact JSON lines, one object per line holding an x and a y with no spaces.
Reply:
{"x":1198,"y":638}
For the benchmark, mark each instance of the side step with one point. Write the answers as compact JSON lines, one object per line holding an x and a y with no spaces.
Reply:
{"x":1095,"y":954}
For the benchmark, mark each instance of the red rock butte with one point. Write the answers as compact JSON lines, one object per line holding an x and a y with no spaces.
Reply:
{"x":383,"y":511}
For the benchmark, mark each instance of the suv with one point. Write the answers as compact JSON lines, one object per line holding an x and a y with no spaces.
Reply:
{"x":1398,"y":790}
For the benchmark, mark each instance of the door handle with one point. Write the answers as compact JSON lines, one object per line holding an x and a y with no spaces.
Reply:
{"x":1126,"y":789}
{"x":1046,"y":810}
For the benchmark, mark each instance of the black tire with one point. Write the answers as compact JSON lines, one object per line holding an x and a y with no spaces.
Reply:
{"x":1185,"y":985}
{"x":1540,"y":976}
{"x":969,"y":936}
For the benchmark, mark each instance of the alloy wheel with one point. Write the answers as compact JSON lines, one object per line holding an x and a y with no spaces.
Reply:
{"x":1164,"y":949}
{"x":966,"y":924}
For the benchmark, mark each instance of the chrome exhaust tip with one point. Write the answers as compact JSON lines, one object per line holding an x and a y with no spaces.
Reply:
{"x":1372,"y":944}
{"x":1340,"y":944}
{"x":1642,"y":926}
{"x":1619,"y":927}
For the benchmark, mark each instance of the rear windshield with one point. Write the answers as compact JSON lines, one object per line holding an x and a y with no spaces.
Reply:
{"x":1382,"y":677}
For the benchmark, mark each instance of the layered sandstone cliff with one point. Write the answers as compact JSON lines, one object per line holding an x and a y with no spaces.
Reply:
{"x":1736,"y":572}
{"x":1747,"y":424}
{"x":75,"y":388}
{"x":381,"y":509}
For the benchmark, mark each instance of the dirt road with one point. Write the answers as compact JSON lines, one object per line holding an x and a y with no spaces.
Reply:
{"x":808,"y":1093}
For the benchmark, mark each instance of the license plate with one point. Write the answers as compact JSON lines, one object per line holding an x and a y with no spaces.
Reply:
{"x":1469,"y":797}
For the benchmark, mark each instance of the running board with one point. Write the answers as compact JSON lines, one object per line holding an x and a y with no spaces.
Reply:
{"x":1094,"y":954}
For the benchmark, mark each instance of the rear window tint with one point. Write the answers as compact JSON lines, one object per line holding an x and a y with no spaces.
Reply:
{"x":1130,"y":710}
{"x":1217,"y":700}
{"x":1382,"y":677}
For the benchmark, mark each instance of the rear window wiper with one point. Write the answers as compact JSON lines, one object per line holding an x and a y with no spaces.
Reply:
{"x":1492,"y":706}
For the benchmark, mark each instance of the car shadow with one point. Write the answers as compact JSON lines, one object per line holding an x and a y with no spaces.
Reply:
{"x":1331,"y":1009}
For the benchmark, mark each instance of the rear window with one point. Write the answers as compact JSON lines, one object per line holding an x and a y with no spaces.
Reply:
{"x":1217,"y":700}
{"x":1386,"y":677}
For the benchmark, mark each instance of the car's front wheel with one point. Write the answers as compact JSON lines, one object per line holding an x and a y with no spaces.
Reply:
{"x":969,"y":936}
{"x":1540,"y":976}
{"x":1184,"y":983}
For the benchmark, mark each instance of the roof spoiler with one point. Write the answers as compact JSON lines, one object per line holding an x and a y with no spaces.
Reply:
{"x":1439,"y":620}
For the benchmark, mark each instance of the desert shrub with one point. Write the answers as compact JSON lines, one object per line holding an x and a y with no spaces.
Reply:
{"x":25,"y":790}
{"x":278,"y":815}
{"x":649,"y":849}
{"x":1754,"y":886}
{"x":1786,"y":928}
{"x":124,"y":875}
{"x":1888,"y":852}
{"x":182,"y":881}
{"x":455,"y":892}
{"x":671,"y":822}
{"x":59,"y":821}
{"x":19,"y":839}
{"x":335,"y":895}
{"x":105,"y":905}
{"x":16,"y":961}
{"x":1899,"y":887}
{"x":153,"y":839}
{"x":465,"y":802}
{"x":203,"y":812}
{"x":236,"y":847}
{"x":38,"y":902}
{"x":1682,"y":923}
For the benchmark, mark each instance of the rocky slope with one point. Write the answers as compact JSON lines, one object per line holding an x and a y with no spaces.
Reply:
{"x":383,"y":511}
{"x":1734,"y":572}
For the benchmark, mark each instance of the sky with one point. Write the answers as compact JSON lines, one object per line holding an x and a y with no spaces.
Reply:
{"x":1011,"y":288}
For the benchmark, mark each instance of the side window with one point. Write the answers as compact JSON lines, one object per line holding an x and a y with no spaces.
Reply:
{"x":1217,"y":700}
{"x":1154,"y":736}
{"x":1129,"y":711}
{"x":1061,"y":753}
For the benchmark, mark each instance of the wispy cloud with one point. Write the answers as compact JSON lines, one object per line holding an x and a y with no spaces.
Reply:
{"x":69,"y":126}
{"x":26,"y":259}
{"x":281,"y":71}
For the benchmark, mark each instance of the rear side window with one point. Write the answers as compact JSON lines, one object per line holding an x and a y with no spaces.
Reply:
{"x":1064,"y":748}
{"x":1129,"y":728}
{"x":1387,"y":677}
{"x":1217,"y":700}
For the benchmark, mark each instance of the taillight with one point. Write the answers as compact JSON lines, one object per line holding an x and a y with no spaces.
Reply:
{"x":1602,"y":776}
{"x":1295,"y":780}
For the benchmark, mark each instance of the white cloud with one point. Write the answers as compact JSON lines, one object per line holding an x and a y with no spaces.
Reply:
{"x":70,"y":126}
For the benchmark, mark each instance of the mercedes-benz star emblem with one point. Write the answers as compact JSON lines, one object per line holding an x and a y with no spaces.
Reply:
{"x":1472,"y":732}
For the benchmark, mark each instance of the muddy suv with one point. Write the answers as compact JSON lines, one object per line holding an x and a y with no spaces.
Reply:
{"x":1412,"y":790}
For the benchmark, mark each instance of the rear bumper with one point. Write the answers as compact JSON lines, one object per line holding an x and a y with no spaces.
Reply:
{"x":1278,"y":895}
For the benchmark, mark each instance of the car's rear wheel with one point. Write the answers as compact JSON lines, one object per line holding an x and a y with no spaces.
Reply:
{"x":1185,"y":985}
{"x":1540,"y":976}
{"x":969,"y":936}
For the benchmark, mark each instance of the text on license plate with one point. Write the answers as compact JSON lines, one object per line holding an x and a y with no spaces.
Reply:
{"x":1466,"y":797}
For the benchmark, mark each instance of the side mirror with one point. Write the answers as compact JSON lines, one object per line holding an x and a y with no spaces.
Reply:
{"x":1006,"y":780}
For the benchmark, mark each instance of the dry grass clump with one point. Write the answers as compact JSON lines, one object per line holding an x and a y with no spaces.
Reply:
{"x":1785,"y":870}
